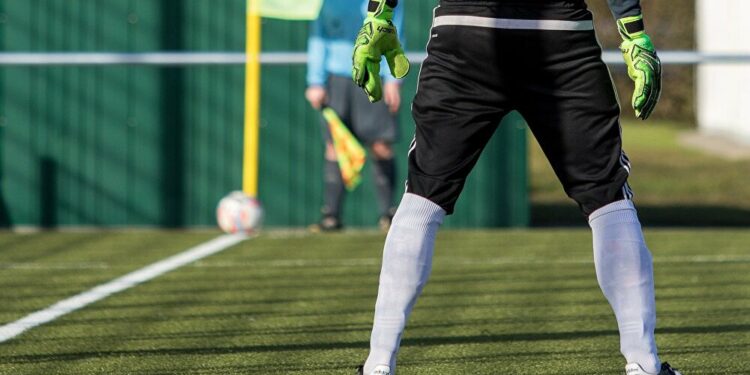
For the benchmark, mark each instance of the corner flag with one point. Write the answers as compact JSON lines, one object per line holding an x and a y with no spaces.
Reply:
{"x":290,"y":9}
{"x":283,"y":9}
{"x":349,"y":152}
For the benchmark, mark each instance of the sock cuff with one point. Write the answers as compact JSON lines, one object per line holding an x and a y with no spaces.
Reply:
{"x":420,"y":211}
{"x":620,"y":211}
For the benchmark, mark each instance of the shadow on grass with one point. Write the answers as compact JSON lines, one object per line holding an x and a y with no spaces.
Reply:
{"x":416,"y":341}
{"x":563,"y":214}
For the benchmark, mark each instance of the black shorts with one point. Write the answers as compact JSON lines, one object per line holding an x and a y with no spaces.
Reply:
{"x":369,"y":122}
{"x":486,"y":59}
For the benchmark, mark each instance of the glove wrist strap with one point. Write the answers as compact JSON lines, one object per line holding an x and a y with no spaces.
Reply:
{"x":381,"y":9}
{"x":631,"y":27}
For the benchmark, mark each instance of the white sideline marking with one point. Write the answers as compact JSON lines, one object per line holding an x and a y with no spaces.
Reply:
{"x":55,"y":266}
{"x":343,"y":262}
{"x":130,"y":280}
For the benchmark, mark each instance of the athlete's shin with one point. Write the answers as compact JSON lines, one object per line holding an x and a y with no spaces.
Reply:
{"x":334,"y":190}
{"x":625,"y":272}
{"x":407,"y":261}
{"x":384,"y":173}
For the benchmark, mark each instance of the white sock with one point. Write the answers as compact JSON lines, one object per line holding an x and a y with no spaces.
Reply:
{"x":625,"y":272}
{"x":407,"y":261}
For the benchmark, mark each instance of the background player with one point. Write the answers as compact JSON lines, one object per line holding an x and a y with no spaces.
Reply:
{"x":329,"y":83}
{"x":540,"y":57}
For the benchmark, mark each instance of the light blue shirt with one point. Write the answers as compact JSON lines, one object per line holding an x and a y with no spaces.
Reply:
{"x":332,"y":37}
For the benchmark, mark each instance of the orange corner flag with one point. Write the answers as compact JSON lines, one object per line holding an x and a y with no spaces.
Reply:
{"x":349,"y":152}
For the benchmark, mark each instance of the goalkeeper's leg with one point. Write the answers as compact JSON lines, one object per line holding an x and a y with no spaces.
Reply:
{"x":456,"y":112}
{"x":625,"y":273}
{"x":577,"y":125}
{"x":407,"y":261}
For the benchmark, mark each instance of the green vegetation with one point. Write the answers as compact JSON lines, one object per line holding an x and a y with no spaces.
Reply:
{"x":499,"y":302}
{"x":674,"y":185}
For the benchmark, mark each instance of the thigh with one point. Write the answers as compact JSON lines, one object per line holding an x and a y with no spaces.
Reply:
{"x":371,"y":122}
{"x":339,"y":99}
{"x":567,"y":98}
{"x":461,"y":98}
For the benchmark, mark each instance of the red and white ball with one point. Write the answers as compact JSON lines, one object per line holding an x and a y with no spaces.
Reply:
{"x":239,"y":213}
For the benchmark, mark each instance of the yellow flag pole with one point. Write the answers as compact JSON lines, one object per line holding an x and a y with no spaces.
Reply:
{"x":252,"y":100}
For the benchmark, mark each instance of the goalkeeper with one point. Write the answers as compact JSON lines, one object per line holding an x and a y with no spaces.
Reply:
{"x":329,"y":83}
{"x":540,"y":57}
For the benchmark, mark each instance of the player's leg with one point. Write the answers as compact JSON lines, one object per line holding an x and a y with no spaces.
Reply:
{"x":333,"y":188}
{"x":375,"y":126}
{"x":333,"y":192}
{"x":384,"y":174}
{"x":457,"y":108}
{"x":407,"y":262}
{"x":570,"y":105}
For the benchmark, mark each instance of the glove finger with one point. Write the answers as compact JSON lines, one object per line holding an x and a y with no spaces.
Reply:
{"x":373,"y":87}
{"x":645,"y":110}
{"x":397,"y":62}
{"x":645,"y":113}
{"x":653,"y":98}
{"x":648,"y":107}
{"x":646,"y":69}
{"x":651,"y":69}
{"x":639,"y":92}
{"x":359,"y":68}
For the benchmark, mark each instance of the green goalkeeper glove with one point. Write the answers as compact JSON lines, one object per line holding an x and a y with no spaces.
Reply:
{"x":644,"y":66}
{"x":376,"y":38}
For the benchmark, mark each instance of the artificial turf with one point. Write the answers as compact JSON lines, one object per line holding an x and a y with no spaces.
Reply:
{"x":499,"y":302}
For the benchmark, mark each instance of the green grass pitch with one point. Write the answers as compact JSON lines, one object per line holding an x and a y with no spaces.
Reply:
{"x":499,"y":302}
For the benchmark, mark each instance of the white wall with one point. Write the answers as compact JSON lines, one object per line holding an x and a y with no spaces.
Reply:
{"x":723,"y":92}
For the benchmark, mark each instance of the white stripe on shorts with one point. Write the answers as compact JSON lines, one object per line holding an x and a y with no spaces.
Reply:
{"x":513,"y":24}
{"x":627,"y":192}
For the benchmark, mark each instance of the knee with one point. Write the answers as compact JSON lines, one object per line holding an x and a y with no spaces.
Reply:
{"x":382,"y":151}
{"x":592,"y":198}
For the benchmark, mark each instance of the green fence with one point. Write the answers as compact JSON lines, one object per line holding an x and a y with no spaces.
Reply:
{"x":145,"y":145}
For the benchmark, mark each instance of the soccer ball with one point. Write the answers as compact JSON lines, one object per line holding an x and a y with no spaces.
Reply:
{"x":239,"y":213}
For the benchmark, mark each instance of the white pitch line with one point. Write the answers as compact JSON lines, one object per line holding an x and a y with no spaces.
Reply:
{"x":359,"y":262}
{"x":55,"y":266}
{"x":343,"y":262}
{"x":130,"y":280}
